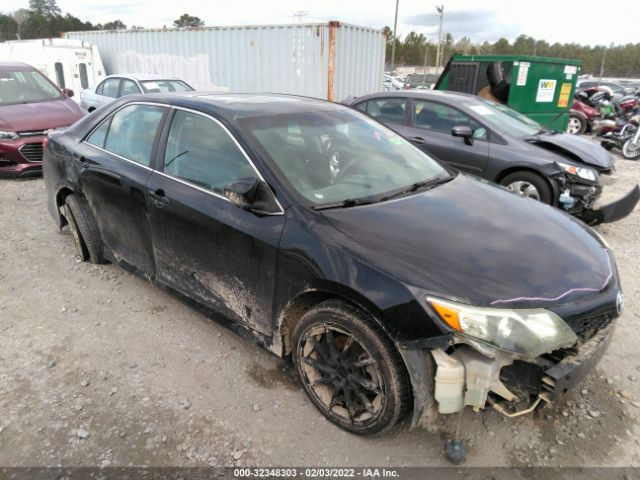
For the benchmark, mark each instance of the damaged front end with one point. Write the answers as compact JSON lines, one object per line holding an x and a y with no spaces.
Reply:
{"x":579,"y":193}
{"x":540,"y":356}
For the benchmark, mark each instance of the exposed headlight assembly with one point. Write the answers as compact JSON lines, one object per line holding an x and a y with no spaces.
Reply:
{"x":8,"y":135}
{"x":582,"y":172}
{"x":527,"y":332}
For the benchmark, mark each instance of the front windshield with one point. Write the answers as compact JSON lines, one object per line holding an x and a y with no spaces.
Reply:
{"x":337,"y":155}
{"x":25,"y":86}
{"x":502,"y":118}
{"x":165,"y":86}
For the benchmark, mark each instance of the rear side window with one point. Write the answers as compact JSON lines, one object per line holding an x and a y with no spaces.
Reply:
{"x":128,"y":87}
{"x":59,"y":74}
{"x":201,"y":152}
{"x":110,"y":87}
{"x":386,"y":110}
{"x":132,"y":132}
{"x":99,"y":135}
{"x":84,"y":78}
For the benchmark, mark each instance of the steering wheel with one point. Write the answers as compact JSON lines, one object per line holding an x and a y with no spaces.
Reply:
{"x":339,"y":168}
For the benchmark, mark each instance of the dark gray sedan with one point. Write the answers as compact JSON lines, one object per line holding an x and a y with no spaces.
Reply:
{"x":494,"y":142}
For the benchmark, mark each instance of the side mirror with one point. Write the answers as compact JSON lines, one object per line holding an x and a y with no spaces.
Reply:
{"x":68,"y":92}
{"x":251,"y":194}
{"x":464,"y":132}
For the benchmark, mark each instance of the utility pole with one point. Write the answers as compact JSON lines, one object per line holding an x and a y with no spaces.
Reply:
{"x":393,"y":39}
{"x":604,"y":58}
{"x":426,"y":52}
{"x":440,"y":51}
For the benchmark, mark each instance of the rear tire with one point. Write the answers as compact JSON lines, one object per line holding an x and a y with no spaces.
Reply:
{"x":84,"y":229}
{"x":528,"y":184}
{"x":577,"y":125}
{"x":350,"y":370}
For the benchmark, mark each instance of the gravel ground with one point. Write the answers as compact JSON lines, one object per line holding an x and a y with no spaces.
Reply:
{"x":100,"y":368}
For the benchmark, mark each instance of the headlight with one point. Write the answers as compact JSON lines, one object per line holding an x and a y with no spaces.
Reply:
{"x":527,"y":332}
{"x":8,"y":135}
{"x":582,"y":172}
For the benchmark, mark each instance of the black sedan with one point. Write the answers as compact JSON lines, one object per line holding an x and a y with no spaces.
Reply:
{"x":397,"y":287}
{"x":497,"y":143}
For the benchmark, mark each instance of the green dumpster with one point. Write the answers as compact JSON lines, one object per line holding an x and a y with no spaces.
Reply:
{"x":541,"y":88}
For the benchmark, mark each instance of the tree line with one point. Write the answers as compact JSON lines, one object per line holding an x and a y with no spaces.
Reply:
{"x":44,"y":19}
{"x":620,"y":60}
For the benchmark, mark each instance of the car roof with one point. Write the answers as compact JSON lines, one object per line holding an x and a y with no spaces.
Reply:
{"x":450,"y":97}
{"x":240,"y":104}
{"x":143,"y":77}
{"x":8,"y":66}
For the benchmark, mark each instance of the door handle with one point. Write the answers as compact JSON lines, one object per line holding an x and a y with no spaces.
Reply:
{"x":158,"y":197}
{"x":418,"y":140}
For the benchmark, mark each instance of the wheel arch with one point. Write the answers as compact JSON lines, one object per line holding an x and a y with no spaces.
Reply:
{"x":61,"y":195}
{"x":521,"y":168}
{"x":294,"y":310}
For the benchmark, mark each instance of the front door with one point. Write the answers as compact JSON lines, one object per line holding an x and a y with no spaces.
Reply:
{"x":430,"y":129}
{"x":207,"y":248}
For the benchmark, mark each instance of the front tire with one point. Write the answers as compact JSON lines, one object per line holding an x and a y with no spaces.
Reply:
{"x":528,"y":184}
{"x":350,"y":370}
{"x":630,"y":150}
{"x":577,"y":125}
{"x":84,"y":229}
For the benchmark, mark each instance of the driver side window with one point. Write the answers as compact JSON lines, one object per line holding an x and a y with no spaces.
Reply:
{"x":442,"y":118}
{"x":199,"y":151}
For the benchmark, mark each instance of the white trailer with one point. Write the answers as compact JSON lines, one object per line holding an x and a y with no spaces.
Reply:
{"x":324,"y":60}
{"x":73,"y":64}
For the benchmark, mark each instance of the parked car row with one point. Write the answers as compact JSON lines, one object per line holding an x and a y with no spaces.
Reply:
{"x":411,"y":81}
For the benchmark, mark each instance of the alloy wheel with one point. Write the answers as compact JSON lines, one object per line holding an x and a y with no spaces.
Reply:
{"x":525,"y":189}
{"x":342,"y":375}
{"x":574,"y":125}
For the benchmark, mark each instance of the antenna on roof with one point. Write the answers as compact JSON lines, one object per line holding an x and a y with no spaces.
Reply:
{"x":300,"y":14}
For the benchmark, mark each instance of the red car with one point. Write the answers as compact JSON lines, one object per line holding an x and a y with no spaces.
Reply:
{"x":30,"y":105}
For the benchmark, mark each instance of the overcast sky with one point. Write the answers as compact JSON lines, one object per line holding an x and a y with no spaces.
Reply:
{"x":561,"y":20}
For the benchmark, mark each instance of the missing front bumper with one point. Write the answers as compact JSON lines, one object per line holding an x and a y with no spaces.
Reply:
{"x":614,"y":211}
{"x":465,"y":377}
{"x":572,"y":370}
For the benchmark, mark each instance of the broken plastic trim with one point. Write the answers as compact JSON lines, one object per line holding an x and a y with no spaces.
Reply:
{"x":499,"y":408}
{"x":614,"y":211}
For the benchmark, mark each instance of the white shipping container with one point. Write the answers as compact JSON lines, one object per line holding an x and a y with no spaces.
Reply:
{"x":323,"y":60}
{"x":72,"y":64}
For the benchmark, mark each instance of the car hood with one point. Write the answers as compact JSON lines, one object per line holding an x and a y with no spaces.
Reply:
{"x":23,"y":117}
{"x":577,"y":148}
{"x":477,"y":243}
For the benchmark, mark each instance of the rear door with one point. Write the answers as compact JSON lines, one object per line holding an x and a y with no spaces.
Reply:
{"x":205,"y":247}
{"x":115,"y":165}
{"x":430,"y":129}
{"x":107,"y":91}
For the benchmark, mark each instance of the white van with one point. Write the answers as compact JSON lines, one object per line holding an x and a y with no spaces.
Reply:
{"x":72,"y":64}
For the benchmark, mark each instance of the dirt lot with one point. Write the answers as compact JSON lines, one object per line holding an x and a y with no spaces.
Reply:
{"x":98,"y":367}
